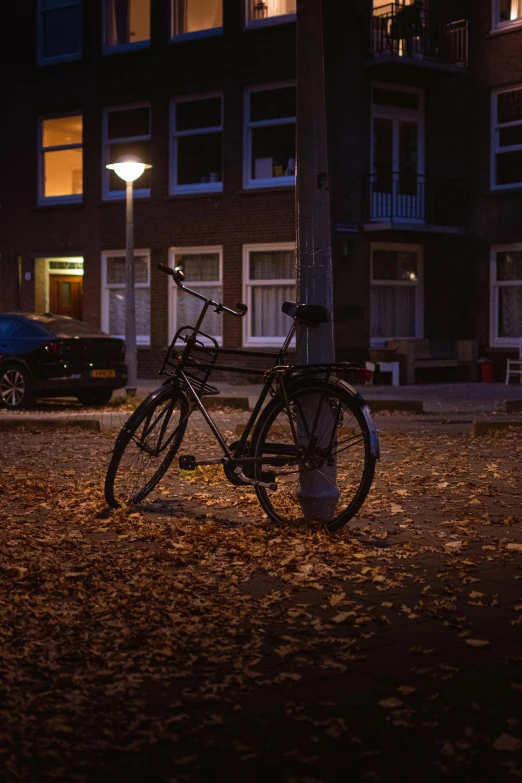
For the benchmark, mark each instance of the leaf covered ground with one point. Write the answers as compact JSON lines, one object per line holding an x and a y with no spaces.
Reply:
{"x":191,"y":640}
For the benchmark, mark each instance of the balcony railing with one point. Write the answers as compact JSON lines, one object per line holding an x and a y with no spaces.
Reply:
{"x":435,"y":40}
{"x":413,"y":198}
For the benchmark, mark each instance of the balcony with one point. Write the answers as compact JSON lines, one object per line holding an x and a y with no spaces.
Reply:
{"x":413,"y":202}
{"x":437,"y":43}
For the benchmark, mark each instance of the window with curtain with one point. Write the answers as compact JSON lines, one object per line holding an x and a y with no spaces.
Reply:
{"x":507,"y":12}
{"x":202,"y":269}
{"x":507,"y":138}
{"x":269,"y":11}
{"x":197,"y":144}
{"x":60,"y":30}
{"x":506,"y":288}
{"x":396,"y":293}
{"x":192,"y":17}
{"x":270,"y":137}
{"x":61,"y":159}
{"x":113,"y":294}
{"x":269,"y":279}
{"x":127,"y":23}
{"x":126,"y":131}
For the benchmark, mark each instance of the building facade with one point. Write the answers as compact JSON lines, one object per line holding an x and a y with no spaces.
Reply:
{"x":424,"y":119}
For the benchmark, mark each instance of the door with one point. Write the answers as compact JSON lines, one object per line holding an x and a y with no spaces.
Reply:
{"x":397,"y":178}
{"x":65,"y":295}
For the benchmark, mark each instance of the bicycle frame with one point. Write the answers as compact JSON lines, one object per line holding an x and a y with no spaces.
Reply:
{"x":198,"y":341}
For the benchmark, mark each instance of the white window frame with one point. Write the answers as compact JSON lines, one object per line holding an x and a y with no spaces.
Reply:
{"x":496,"y":24}
{"x":269,"y":20}
{"x":495,"y":148}
{"x":248,"y":339}
{"x":42,"y":60}
{"x":271,"y":182}
{"x":106,"y":287}
{"x":206,"y":187}
{"x":175,"y":36}
{"x":73,"y":198}
{"x":108,"y":48}
{"x":379,"y":342}
{"x":138,"y":192}
{"x":174,"y":290}
{"x":494,"y":340}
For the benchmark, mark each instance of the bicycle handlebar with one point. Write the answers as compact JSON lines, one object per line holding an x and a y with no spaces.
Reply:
{"x":178,"y":277}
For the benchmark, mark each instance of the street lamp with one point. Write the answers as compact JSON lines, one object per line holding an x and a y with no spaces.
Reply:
{"x":129,"y":168}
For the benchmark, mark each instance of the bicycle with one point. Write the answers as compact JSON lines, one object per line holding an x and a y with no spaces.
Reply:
{"x":309,"y":453}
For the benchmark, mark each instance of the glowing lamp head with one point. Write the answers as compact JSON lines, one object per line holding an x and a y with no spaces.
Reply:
{"x":128,"y":167}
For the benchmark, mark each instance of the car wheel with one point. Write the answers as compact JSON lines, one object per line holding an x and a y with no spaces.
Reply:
{"x":15,"y":387}
{"x":95,"y":397}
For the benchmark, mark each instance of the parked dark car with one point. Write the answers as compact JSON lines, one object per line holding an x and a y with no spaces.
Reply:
{"x":55,"y":356}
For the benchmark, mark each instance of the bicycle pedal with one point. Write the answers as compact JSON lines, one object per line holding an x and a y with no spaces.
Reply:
{"x":187,"y":462}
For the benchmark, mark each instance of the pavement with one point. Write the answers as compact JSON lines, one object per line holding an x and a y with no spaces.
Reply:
{"x":460,"y":407}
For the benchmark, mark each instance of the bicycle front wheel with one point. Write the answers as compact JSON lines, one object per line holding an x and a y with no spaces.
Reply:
{"x":318,"y":450}
{"x":146,"y":446}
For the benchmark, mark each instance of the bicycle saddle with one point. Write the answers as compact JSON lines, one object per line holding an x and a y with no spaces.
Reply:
{"x":307,"y":314}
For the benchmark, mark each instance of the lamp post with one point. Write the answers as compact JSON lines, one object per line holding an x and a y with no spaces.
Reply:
{"x":129,"y":168}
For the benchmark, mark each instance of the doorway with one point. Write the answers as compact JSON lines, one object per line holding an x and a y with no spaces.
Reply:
{"x":65,"y":295}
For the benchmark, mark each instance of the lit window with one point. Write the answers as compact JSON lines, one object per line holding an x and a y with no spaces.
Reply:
{"x":507,"y":139}
{"x":270,"y":11}
{"x":197,"y":140}
{"x":127,"y":23}
{"x":61,"y":160}
{"x":396,"y":292}
{"x":113,"y":294}
{"x":126,"y":132}
{"x":270,"y":137}
{"x":191,"y":17}
{"x":60,"y":30}
{"x":269,"y":280}
{"x":506,"y":295}
{"x":507,"y":12}
{"x":202,"y":269}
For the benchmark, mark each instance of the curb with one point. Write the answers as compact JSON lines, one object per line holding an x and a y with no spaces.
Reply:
{"x":213,"y":403}
{"x":412,"y":406}
{"x":512,"y":406}
{"x":51,"y":423}
{"x":486,"y":427}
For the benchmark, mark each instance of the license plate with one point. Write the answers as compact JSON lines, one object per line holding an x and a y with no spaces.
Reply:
{"x":103,"y":373}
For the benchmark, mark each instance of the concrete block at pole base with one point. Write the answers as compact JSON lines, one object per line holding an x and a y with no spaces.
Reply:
{"x":317,"y":496}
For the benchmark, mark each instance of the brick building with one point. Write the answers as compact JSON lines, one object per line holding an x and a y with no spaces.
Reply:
{"x":425,"y":146}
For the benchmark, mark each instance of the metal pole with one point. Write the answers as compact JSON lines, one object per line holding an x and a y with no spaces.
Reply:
{"x":131,"y":358}
{"x":317,"y":493}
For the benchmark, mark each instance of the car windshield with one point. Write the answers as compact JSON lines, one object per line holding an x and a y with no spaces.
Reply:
{"x":66,"y":327}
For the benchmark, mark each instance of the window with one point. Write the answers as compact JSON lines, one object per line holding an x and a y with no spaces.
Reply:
{"x":270,"y":136}
{"x":396,"y":292}
{"x":113,"y":294}
{"x":506,"y":13}
{"x":506,"y":142}
{"x":127,"y":24}
{"x":61,"y":160}
{"x":197,"y":140}
{"x":126,"y":131}
{"x":506,"y":295}
{"x":60,"y":30}
{"x":269,"y":11}
{"x":269,"y":280}
{"x":196,"y":17}
{"x":202,"y":268}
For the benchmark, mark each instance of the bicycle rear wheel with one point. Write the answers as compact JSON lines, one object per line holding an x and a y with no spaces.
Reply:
{"x":318,"y":450}
{"x":146,"y":446}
